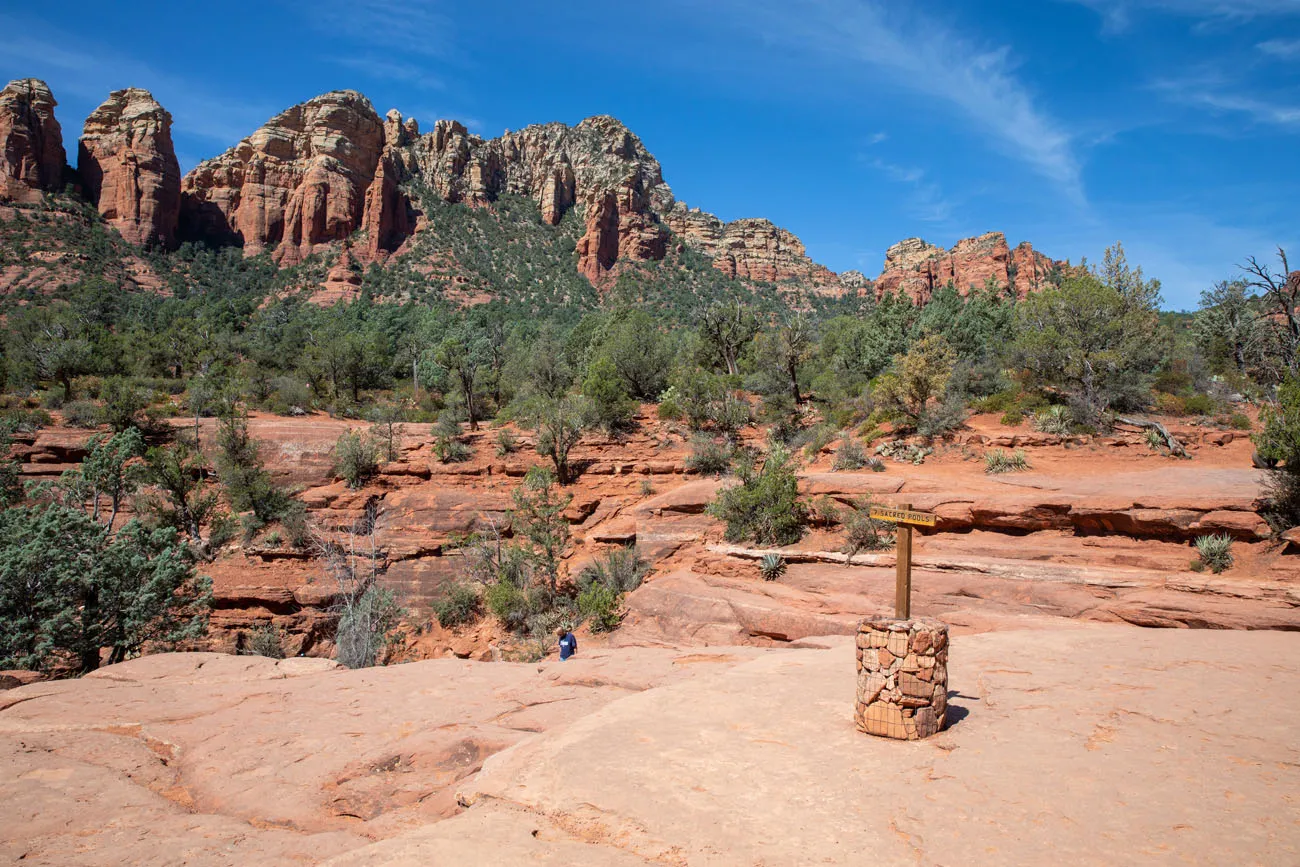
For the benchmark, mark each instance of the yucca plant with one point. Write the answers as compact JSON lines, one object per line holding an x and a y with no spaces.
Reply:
{"x":1054,"y":420}
{"x":771,"y":567}
{"x":1214,"y":552}
{"x":998,"y":461}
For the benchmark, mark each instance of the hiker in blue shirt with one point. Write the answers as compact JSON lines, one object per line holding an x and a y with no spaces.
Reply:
{"x":568,"y":644}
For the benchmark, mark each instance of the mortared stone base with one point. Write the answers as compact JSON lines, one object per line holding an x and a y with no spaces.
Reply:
{"x":902,"y":677}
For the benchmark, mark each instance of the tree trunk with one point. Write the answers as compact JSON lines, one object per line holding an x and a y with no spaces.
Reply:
{"x":1175,"y":447}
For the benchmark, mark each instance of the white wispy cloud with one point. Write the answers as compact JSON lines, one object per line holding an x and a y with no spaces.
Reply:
{"x":1218,"y":94}
{"x":927,"y":202}
{"x":404,"y":27}
{"x":1286,"y":49}
{"x":1117,"y":15}
{"x":89,"y":72}
{"x":877,"y":138}
{"x":383,"y":69}
{"x":928,"y":57}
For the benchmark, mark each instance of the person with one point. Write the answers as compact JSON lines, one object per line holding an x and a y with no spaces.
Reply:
{"x":568,"y":644}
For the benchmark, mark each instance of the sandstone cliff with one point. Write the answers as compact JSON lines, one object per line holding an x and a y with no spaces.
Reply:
{"x":326,"y":169}
{"x":297,"y":182}
{"x":917,"y":269}
{"x":128,"y":167}
{"x":749,"y":249}
{"x":31,"y":142}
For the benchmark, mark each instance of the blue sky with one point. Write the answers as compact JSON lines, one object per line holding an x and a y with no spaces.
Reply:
{"x":1172,"y":125}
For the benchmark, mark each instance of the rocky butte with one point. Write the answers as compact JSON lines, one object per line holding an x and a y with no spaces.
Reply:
{"x":31,"y":141}
{"x":128,"y":167}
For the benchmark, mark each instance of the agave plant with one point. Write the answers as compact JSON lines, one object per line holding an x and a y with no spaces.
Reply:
{"x":771,"y":567}
{"x":1215,"y":552}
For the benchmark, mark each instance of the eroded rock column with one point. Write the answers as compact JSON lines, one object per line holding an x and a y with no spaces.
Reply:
{"x":902,"y":677}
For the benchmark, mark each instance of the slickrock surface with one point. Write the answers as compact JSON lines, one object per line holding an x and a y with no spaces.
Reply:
{"x":223,"y":757}
{"x":1090,"y":744}
{"x":128,"y":167}
{"x":31,"y":141}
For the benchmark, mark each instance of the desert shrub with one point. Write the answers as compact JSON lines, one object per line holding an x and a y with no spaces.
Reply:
{"x":621,"y":570}
{"x":709,"y":457}
{"x":814,"y":440}
{"x":289,"y":395}
{"x":730,"y":414}
{"x":612,"y":409}
{"x":942,"y":418}
{"x":1053,"y":420}
{"x":81,"y":413}
{"x":998,"y":461}
{"x":451,"y":451}
{"x":507,"y":443}
{"x":1236,"y":421}
{"x":863,"y":532}
{"x":647,"y":487}
{"x":876,"y":465}
{"x":294,"y":521}
{"x":458,"y":605}
{"x":1013,"y":418}
{"x":560,"y":426}
{"x":364,"y":627}
{"x":916,"y":378}
{"x":904,"y":452}
{"x":124,"y":403}
{"x":1279,"y":444}
{"x":1169,"y":404}
{"x":849,"y":455}
{"x":239,"y":467}
{"x":765,"y":507}
{"x":771,"y":567}
{"x":1214,"y":552}
{"x":509,"y":604}
{"x":266,"y":641}
{"x":356,"y":458}
{"x":54,"y":397}
{"x":1199,"y":404}
{"x":1154,"y":440}
{"x":598,"y":605}
{"x":670,"y":405}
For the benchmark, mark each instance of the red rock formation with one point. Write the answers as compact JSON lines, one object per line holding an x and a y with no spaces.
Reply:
{"x":299,"y":181}
{"x":128,"y":165}
{"x":389,"y":217}
{"x":749,"y":249}
{"x":31,"y":141}
{"x":918,"y":269}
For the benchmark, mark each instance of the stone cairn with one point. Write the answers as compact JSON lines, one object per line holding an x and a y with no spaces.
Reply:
{"x":902,"y":677}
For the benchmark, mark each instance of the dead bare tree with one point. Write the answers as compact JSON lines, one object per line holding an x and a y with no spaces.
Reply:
{"x":367,"y":612}
{"x":1281,"y":293}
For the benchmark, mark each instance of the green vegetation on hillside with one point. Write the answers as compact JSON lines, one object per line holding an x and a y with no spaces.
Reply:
{"x":484,"y":319}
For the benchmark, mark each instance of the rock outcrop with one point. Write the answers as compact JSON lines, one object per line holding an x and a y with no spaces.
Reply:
{"x":918,"y":269}
{"x":326,"y":168}
{"x":297,"y":182}
{"x":128,"y":167}
{"x":749,"y":249}
{"x":31,"y":142}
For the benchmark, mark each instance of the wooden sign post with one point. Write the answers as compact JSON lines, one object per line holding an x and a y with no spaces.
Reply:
{"x":905,"y":518}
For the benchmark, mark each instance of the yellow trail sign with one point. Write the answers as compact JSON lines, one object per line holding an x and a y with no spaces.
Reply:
{"x":903,"y":516}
